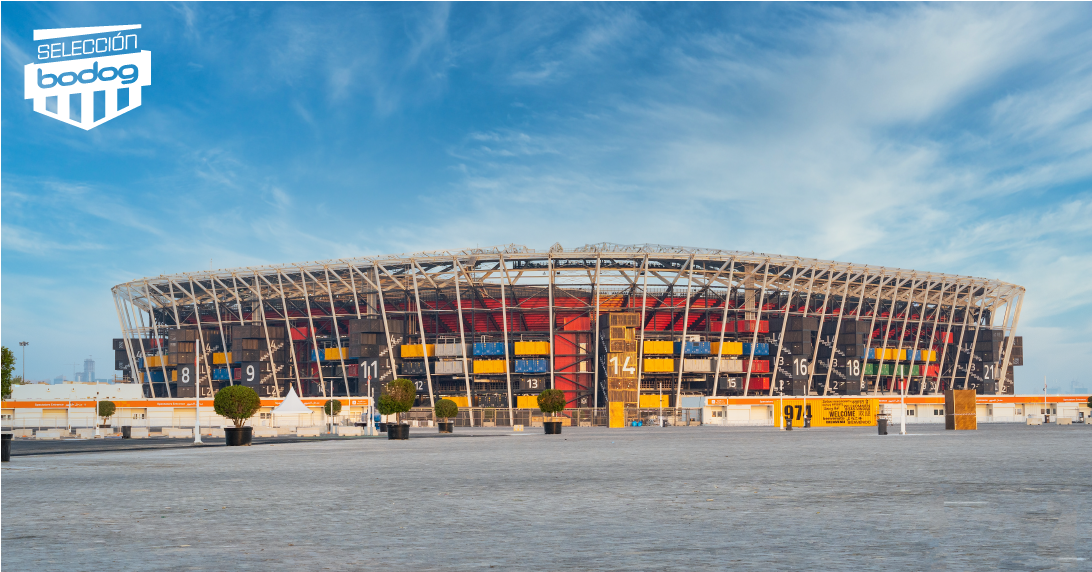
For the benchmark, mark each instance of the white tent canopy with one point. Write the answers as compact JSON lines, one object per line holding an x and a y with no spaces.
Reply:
{"x":291,"y":405}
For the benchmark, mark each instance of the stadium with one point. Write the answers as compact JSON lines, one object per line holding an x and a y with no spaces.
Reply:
{"x":626,"y":325}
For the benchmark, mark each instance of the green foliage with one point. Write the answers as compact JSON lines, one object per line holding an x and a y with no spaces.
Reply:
{"x":551,"y":401}
{"x":237,"y":402}
{"x":1090,"y":401}
{"x":7,"y":368}
{"x":332,"y":407}
{"x":446,"y":409}
{"x":397,"y":397}
{"x":106,"y":409}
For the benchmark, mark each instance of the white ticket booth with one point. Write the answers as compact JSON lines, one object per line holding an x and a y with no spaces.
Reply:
{"x":715,"y":411}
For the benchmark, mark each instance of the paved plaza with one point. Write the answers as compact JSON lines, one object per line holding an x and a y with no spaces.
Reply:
{"x":686,"y":498}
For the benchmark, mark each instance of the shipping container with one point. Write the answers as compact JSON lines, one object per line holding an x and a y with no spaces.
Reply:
{"x":748,"y":326}
{"x":727,"y":348}
{"x":731,"y":366}
{"x":490,"y":366}
{"x":659,"y":365}
{"x":449,"y":367}
{"x":761,"y":349}
{"x":627,"y":319}
{"x":701,"y":365}
{"x":692,"y":348}
{"x":532,"y":365}
{"x":220,"y":358}
{"x":449,"y":349}
{"x":416,"y":350}
{"x":758,"y":366}
{"x":532,"y":348}
{"x":659,"y":347}
{"x":489,"y":349}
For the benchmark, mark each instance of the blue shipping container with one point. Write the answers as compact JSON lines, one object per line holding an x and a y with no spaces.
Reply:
{"x":694,"y":348}
{"x":220,"y":374}
{"x":489,"y":348}
{"x":761,"y":349}
{"x":157,"y":376}
{"x":532,"y":366}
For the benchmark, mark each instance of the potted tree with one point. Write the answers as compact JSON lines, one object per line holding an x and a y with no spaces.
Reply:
{"x":550,"y":402}
{"x":106,"y":411}
{"x":445,"y":410}
{"x":238,"y":403}
{"x":332,"y":408}
{"x":397,"y":398}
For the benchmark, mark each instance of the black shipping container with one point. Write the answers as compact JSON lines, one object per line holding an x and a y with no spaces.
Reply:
{"x":799,"y":336}
{"x":799,"y":349}
{"x":987,"y":345}
{"x":246,"y":355}
{"x":851,"y":339}
{"x":796,"y":323}
{"x":367,"y":339}
{"x":242,"y":344}
{"x":375,"y":325}
{"x":182,"y":335}
{"x":247,"y":332}
{"x":856,"y":350}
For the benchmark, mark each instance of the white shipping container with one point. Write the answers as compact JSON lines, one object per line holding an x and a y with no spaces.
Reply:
{"x":449,"y":350}
{"x":449,"y":367}
{"x":731,"y":366}
{"x":698,"y":365}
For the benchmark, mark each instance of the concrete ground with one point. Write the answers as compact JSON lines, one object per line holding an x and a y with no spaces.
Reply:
{"x":1002,"y":497}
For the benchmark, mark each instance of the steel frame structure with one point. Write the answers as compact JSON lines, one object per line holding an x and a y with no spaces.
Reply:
{"x":499,"y":293}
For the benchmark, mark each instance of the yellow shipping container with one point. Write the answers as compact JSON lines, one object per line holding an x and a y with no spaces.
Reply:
{"x":532,"y":348}
{"x":489,"y":366}
{"x":730,"y":348}
{"x":414,"y":350}
{"x":655,"y":401}
{"x":156,"y":361}
{"x":527,"y":402}
{"x":930,"y":355}
{"x":459,"y":400}
{"x":659,"y":365}
{"x":332,"y":354}
{"x":659,"y":347}
{"x":218,"y":359}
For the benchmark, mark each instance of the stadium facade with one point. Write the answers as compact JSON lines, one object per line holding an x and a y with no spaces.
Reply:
{"x":606,"y":323}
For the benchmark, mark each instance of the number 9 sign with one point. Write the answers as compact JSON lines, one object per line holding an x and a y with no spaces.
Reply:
{"x":251,"y":374}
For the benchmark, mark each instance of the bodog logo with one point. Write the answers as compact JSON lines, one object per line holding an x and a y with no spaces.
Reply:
{"x":87,"y":76}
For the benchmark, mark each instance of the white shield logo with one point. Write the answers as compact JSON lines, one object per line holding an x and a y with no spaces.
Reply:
{"x":87,"y":76}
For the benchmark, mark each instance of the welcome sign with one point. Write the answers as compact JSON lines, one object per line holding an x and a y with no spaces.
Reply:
{"x":87,"y":76}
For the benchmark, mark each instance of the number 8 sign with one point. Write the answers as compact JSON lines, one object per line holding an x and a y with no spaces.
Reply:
{"x":186,"y":375}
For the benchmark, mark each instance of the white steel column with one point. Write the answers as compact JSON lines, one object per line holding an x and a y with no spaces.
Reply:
{"x":758,"y":320}
{"x":595,"y":334}
{"x":155,"y":331}
{"x":462,"y":339}
{"x":318,"y":358}
{"x":424,"y":346}
{"x":288,"y":326}
{"x":268,"y":342}
{"x":682,"y":343}
{"x":641,"y":343}
{"x":724,"y":325}
{"x":383,"y":312}
{"x":796,"y":273}
{"x":507,"y":358}
{"x":337,"y":337}
{"x":550,"y":293}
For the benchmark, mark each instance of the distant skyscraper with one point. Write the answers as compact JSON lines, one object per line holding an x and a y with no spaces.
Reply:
{"x":88,"y":370}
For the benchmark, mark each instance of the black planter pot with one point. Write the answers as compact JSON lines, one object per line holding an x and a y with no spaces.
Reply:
{"x":552,"y":427}
{"x":5,"y":453}
{"x":126,"y":432}
{"x":446,"y":426}
{"x":400,"y":432}
{"x":238,"y":436}
{"x":382,"y":427}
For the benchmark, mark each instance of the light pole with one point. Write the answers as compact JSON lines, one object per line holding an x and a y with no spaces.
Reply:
{"x":24,"y":345}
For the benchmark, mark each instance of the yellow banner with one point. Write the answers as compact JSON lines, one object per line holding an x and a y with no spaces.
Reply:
{"x":829,"y":412}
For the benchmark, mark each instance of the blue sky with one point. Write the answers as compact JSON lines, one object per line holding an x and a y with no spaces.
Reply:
{"x":945,"y":137}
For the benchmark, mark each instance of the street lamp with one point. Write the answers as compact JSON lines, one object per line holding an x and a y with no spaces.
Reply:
{"x":24,"y":344}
